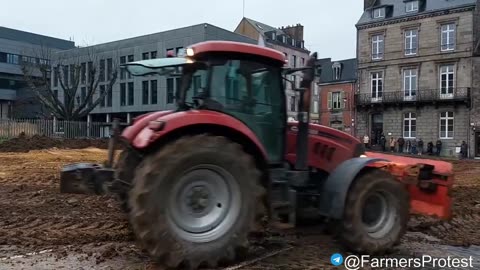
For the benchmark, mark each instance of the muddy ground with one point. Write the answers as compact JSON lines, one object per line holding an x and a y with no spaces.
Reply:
{"x":43,"y":229}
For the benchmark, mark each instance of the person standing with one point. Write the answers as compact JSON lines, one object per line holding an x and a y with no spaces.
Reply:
{"x":414,"y":147}
{"x":392,"y":144}
{"x":383,"y":142}
{"x":438,"y":146}
{"x":420,"y":147}
{"x":401,"y":143}
{"x":366,"y":141}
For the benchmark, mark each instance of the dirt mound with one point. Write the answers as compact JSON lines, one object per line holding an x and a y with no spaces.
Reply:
{"x":36,"y":142}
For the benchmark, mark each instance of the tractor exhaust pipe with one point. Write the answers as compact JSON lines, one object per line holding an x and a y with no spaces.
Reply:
{"x":305,"y":91}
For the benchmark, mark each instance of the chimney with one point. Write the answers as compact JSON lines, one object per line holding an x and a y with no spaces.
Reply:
{"x":368,"y":4}
{"x":295,"y":31}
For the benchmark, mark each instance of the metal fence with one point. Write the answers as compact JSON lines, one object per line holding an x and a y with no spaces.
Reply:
{"x":10,"y":128}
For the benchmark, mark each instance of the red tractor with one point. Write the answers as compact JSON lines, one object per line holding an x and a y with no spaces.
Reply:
{"x":199,"y":179}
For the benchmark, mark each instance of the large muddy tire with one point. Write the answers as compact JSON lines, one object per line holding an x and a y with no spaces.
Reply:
{"x":125,"y":170}
{"x":376,"y":214}
{"x":196,"y":201}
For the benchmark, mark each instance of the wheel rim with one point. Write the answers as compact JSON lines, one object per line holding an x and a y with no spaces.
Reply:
{"x":379,"y":214}
{"x":204,"y":203}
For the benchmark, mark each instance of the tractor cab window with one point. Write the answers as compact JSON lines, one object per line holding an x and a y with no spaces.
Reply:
{"x":252,"y":92}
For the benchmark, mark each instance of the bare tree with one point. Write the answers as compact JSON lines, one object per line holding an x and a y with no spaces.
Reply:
{"x":66,"y":83}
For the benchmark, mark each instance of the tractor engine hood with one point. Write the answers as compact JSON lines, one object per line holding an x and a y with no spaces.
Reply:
{"x":141,"y":122}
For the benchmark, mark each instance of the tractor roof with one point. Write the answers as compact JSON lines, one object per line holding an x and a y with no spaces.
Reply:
{"x":237,"y":47}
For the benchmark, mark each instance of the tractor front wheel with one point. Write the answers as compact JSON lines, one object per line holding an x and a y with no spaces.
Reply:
{"x":196,"y":201}
{"x":376,"y":213}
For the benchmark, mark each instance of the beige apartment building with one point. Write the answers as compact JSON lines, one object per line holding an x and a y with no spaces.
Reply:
{"x":417,"y":60}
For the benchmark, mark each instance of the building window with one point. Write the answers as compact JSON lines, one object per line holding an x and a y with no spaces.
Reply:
{"x":293,"y":42}
{"x":72,"y":74}
{"x":55,"y":76}
{"x":109,"y":97}
{"x":377,"y":47}
{"x":294,"y":60}
{"x":379,"y":13}
{"x":131,"y":91}
{"x":102,"y":70}
{"x":284,"y":39}
{"x":13,"y":58}
{"x":145,"y":95}
{"x":83,"y":71}
{"x":411,"y":6}
{"x":303,"y":62}
{"x":447,"y":81}
{"x":446,"y":125}
{"x":448,"y":37}
{"x":410,"y":84}
{"x":109,"y":68}
{"x":170,"y":90}
{"x":274,"y":36}
{"x":153,"y":92}
{"x":315,"y":106}
{"x":123,"y":60}
{"x":65,"y":75}
{"x":377,"y":86}
{"x":337,"y":70}
{"x":83,"y":94}
{"x":293,"y":104}
{"x":89,"y":72}
{"x":170,"y":52}
{"x":335,"y":100}
{"x":178,"y":51}
{"x":410,"y":125}
{"x":153,"y":54}
{"x":411,"y":42}
{"x":130,"y":59}
{"x":123,"y":94}
{"x":145,"y":56}
{"x":102,"y":91}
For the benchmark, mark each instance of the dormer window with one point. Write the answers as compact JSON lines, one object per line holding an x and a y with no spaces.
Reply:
{"x":293,"y":42}
{"x":379,"y":13}
{"x":337,"y":71}
{"x":284,"y":39}
{"x":412,"y":6}
{"x":274,"y":36}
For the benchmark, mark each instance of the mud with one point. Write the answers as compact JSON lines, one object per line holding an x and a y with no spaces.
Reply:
{"x":43,"y":229}
{"x":36,"y":142}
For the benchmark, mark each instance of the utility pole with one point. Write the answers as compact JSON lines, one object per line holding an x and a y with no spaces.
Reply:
{"x":243,"y":8}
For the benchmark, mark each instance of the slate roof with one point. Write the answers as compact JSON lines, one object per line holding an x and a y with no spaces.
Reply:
{"x":348,"y":70}
{"x":263,"y":28}
{"x":398,"y":8}
{"x":36,"y":39}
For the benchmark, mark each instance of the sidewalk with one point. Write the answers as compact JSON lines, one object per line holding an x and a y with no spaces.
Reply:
{"x":424,"y":156}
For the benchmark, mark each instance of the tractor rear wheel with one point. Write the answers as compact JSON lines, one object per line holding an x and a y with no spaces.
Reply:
{"x":125,"y":171}
{"x":196,"y":201}
{"x":376,"y":213}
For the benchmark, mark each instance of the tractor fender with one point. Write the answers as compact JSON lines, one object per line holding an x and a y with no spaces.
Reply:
{"x":177,"y":123}
{"x":337,"y":185}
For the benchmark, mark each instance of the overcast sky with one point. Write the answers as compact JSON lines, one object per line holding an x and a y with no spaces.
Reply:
{"x":329,"y":25}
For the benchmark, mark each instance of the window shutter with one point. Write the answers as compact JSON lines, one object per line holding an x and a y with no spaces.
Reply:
{"x":342,"y":99}
{"x":329,"y":100}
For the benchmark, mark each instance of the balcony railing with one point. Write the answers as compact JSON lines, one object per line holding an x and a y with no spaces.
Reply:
{"x":417,"y":96}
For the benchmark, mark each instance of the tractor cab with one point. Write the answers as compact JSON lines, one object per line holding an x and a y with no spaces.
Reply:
{"x":246,"y":85}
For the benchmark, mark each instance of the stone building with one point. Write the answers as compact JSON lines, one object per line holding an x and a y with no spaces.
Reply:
{"x":415,"y":68}
{"x":288,"y":40}
{"x":337,"y":84}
